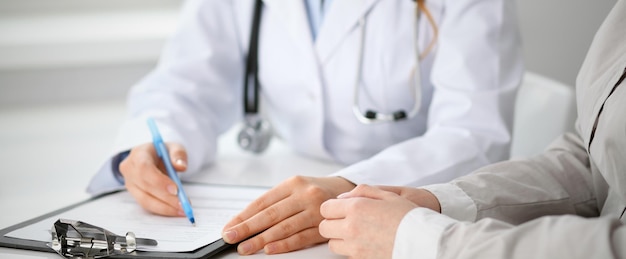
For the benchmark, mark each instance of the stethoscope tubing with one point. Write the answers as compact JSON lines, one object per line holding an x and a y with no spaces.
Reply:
{"x":251,"y":95}
{"x":373,"y":117}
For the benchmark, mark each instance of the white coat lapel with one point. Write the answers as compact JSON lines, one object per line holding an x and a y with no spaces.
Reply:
{"x":342,"y":16}
{"x":295,"y":20}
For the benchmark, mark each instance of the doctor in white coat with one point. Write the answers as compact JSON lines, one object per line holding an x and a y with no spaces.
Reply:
{"x":314,"y":56}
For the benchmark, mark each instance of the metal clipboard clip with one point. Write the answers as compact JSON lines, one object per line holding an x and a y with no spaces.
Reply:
{"x":76,"y":239}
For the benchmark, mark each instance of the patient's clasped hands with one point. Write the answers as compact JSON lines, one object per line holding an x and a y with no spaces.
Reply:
{"x":363,"y":223}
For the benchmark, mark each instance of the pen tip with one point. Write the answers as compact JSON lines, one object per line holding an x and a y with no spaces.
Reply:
{"x":193,"y":221}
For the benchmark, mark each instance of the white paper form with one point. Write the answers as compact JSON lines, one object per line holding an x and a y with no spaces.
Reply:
{"x":213,"y":206}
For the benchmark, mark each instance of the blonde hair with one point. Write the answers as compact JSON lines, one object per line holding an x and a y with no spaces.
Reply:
{"x":421,"y":7}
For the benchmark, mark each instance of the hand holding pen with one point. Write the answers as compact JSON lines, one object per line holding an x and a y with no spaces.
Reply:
{"x":165,"y":156}
{"x":147,"y":181}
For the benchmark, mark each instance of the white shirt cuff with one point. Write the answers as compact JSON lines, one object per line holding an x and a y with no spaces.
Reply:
{"x":418,"y":234}
{"x":104,"y":181}
{"x":354,"y":173}
{"x":455,"y":203}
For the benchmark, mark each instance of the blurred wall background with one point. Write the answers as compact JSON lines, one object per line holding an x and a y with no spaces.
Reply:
{"x":88,"y":50}
{"x":557,"y":34}
{"x":55,"y":52}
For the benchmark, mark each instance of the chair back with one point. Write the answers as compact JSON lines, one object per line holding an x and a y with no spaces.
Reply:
{"x":544,"y":110}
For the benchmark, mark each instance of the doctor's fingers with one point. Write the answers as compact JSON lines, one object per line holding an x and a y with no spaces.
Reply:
{"x":293,"y":233}
{"x":367,"y":191}
{"x":146,"y":181}
{"x":154,"y":191}
{"x":257,"y":206}
{"x":145,"y":169}
{"x":281,"y":191}
{"x":300,"y":240}
{"x":155,"y":205}
{"x":160,"y":199}
{"x":420,"y":197}
{"x":142,"y":154}
{"x":399,"y":190}
{"x":406,"y":192}
{"x":178,"y":156}
{"x":261,"y":221}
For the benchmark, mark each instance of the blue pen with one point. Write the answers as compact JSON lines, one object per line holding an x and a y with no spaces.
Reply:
{"x":164,"y":155}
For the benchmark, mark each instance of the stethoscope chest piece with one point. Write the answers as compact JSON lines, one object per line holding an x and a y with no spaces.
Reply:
{"x":255,"y":135}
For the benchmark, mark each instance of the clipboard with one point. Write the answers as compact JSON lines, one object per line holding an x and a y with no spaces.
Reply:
{"x":206,"y":251}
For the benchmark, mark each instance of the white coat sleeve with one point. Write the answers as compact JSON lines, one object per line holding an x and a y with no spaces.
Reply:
{"x":476,"y":73}
{"x":193,"y":93}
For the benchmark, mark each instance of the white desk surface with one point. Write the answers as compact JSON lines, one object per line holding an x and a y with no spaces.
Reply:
{"x":50,"y":153}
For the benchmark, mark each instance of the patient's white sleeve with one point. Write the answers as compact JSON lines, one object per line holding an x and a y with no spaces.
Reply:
{"x":418,"y":234}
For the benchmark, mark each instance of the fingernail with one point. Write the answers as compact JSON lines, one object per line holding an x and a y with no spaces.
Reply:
{"x":230,"y":236}
{"x":181,"y":213}
{"x":269,"y":249}
{"x":172,"y":189}
{"x":343,"y":195}
{"x":244,"y":248}
{"x":180,"y":162}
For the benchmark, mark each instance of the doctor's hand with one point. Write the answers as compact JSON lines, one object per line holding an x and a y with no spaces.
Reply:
{"x":363,"y":222}
{"x":286,"y":218}
{"x":146,"y":179}
{"x":420,"y":197}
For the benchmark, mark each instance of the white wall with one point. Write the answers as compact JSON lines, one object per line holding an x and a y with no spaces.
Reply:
{"x":55,"y":52}
{"x":11,"y":7}
{"x":557,"y":34}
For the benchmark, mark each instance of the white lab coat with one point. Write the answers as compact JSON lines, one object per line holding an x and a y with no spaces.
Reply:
{"x":467,"y":96}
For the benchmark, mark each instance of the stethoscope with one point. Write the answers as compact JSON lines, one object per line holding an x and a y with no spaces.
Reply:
{"x":256,"y":133}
